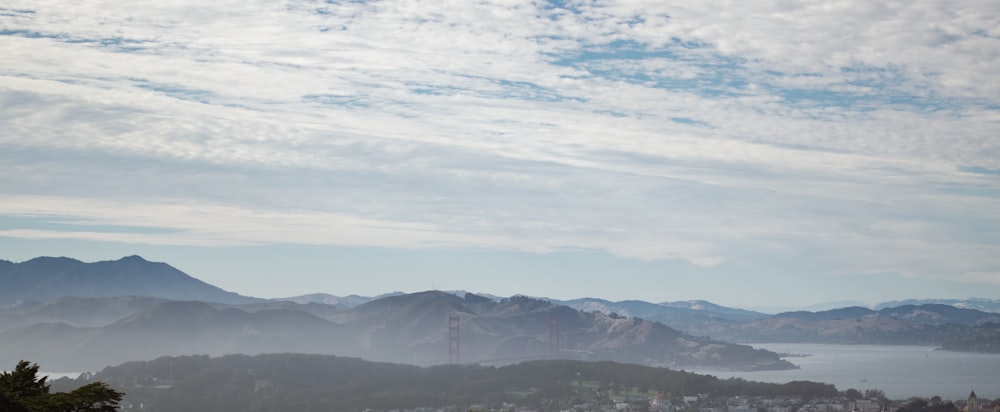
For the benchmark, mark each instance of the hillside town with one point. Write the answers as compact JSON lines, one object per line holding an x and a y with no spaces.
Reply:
{"x":706,"y":403}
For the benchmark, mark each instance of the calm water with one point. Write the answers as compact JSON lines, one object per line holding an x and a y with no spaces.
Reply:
{"x":900,"y":371}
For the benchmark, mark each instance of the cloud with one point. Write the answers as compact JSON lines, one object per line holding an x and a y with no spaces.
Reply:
{"x":650,"y":130}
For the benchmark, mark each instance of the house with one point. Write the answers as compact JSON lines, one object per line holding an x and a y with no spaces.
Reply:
{"x":660,"y":403}
{"x":865,"y":405}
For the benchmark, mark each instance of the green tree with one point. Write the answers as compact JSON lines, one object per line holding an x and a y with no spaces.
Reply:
{"x":21,"y":390}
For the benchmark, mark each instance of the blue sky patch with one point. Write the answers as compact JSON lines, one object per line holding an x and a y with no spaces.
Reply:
{"x":174,"y":90}
{"x":979,"y":170}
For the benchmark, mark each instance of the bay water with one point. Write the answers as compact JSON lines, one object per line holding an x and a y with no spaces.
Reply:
{"x":900,"y":371}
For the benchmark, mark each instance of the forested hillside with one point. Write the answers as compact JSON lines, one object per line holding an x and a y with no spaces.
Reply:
{"x":323,"y":383}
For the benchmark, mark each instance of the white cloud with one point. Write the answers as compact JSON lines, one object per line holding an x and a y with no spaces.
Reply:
{"x":652,"y":130}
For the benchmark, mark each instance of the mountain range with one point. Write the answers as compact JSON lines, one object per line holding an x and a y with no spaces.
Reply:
{"x":89,"y":332}
{"x":83,"y":316}
{"x":923,"y":322}
{"x":409,"y":328}
{"x":643,"y":309}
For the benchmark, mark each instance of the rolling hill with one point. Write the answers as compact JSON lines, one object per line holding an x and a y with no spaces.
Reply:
{"x":73,"y":315}
{"x":410,"y":328}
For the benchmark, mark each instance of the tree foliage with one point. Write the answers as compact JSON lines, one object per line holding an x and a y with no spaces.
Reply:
{"x":922,"y":405}
{"x":21,"y":390}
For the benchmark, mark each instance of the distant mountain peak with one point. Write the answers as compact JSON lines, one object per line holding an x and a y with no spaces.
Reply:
{"x":46,"y":279}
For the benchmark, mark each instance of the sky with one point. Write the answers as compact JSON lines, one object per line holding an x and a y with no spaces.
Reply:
{"x":761,"y":153}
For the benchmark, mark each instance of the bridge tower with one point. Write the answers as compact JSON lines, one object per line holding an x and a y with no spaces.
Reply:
{"x":553,"y":336}
{"x":454,"y":343}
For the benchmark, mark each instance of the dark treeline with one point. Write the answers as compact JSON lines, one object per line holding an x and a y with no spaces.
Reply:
{"x":323,"y":382}
{"x":23,"y":390}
